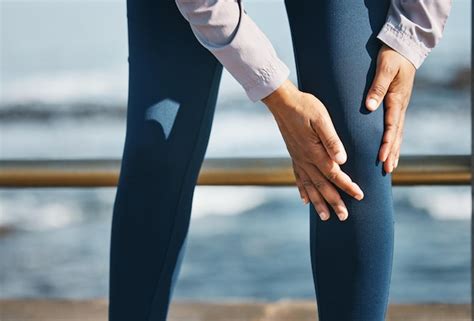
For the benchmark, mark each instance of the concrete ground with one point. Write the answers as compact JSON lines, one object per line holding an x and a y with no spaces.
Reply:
{"x":284,"y":310}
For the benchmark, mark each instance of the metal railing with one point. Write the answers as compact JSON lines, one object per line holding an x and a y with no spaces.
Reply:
{"x":472,"y":160}
{"x":412,"y":170}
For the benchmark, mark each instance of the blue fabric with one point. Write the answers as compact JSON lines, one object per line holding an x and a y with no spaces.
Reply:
{"x":173,"y":86}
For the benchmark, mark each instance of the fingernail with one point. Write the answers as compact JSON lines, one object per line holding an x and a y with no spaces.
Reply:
{"x":343,"y":215}
{"x":324,"y":216}
{"x":372,"y":103}
{"x":304,"y":200}
{"x":396,"y":162}
{"x":359,"y":196}
{"x":340,"y":157}
{"x":360,"y":193}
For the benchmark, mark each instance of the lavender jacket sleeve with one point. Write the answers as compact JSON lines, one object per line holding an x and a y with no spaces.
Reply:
{"x":414,"y":27}
{"x":225,"y":29}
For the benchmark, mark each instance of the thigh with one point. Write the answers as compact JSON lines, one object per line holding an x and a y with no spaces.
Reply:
{"x":173,"y":88}
{"x":167,"y":66}
{"x":335,"y":49}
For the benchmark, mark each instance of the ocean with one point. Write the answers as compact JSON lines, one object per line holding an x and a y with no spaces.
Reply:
{"x":244,"y":242}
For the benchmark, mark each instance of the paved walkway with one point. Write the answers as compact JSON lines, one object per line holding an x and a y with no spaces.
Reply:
{"x":284,"y":310}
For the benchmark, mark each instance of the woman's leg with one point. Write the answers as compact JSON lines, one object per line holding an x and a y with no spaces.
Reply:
{"x":335,"y":48}
{"x":173,"y":86}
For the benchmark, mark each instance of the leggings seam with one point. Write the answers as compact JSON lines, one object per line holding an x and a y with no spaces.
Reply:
{"x":185,"y":177}
{"x":117,"y":216}
{"x":320,"y":312}
{"x":387,"y":299}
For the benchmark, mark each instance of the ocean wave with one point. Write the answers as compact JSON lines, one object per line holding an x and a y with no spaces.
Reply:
{"x":439,"y":202}
{"x":30,"y":214}
{"x":82,"y":93}
{"x":66,"y":87}
{"x":226,"y":201}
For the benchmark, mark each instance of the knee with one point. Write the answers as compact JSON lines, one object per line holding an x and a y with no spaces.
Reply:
{"x":364,"y":139}
{"x":146,"y":153}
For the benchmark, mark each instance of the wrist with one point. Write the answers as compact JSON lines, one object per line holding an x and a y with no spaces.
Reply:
{"x":283,"y":95}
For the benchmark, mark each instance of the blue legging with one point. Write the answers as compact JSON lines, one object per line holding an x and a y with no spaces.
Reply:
{"x":173,"y":86}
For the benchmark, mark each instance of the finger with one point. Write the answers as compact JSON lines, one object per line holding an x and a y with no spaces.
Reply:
{"x":316,"y":198}
{"x":392,"y":160}
{"x":393,"y":113}
{"x":384,"y":75}
{"x":324,"y":128}
{"x":332,"y":171}
{"x":303,"y":194}
{"x":397,"y":158}
{"x":389,"y":164}
{"x":328,"y":192}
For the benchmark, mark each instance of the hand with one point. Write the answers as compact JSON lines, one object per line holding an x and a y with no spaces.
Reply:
{"x":314,"y":147}
{"x":393,"y":84}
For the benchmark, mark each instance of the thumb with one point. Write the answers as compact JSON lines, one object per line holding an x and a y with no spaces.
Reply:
{"x":384,"y":76}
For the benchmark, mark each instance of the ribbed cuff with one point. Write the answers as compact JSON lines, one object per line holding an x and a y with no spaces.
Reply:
{"x":400,"y":40}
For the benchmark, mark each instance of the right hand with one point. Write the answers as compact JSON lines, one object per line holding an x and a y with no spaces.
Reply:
{"x":314,"y":147}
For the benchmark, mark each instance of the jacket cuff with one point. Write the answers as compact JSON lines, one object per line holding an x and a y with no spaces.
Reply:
{"x":250,"y":58}
{"x":271,"y":77}
{"x":401,"y":41}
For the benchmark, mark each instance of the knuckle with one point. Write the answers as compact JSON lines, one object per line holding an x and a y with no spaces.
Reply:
{"x":318,"y":121}
{"x":319,"y":184}
{"x":387,"y":139}
{"x":319,"y":206}
{"x":386,"y":67}
{"x":334,"y":203}
{"x":318,"y":142}
{"x":332,"y":142}
{"x":314,"y":152}
{"x":392,"y":127}
{"x":396,"y":99}
{"x":379,"y":89}
{"x":333,"y":175}
{"x":333,"y":172}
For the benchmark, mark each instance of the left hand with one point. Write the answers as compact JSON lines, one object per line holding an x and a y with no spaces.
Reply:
{"x":393,"y":84}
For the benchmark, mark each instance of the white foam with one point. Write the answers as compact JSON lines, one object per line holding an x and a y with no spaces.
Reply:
{"x":210,"y":200}
{"x":443,"y":203}
{"x":30,"y":215}
{"x":61,"y":87}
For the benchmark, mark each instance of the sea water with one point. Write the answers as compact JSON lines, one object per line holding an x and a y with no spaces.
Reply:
{"x":63,"y":95}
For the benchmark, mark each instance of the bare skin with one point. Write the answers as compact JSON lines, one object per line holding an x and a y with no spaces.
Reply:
{"x":393,"y":84}
{"x":314,"y":146}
